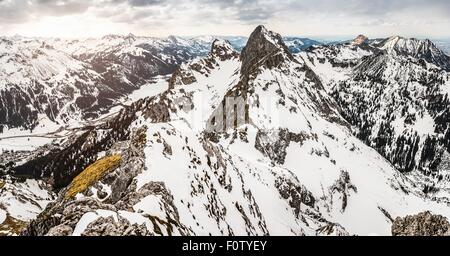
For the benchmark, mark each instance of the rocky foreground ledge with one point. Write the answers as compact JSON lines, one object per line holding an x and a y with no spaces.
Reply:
{"x":422,"y":224}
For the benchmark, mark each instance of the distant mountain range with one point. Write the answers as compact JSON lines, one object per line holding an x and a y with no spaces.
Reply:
{"x":52,"y":81}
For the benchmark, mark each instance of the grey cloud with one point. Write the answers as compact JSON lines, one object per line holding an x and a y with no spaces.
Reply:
{"x":13,"y":11}
{"x":254,"y":15}
{"x":145,"y":2}
{"x":136,"y":3}
{"x":60,"y":8}
{"x":244,"y":12}
{"x":17,"y":11}
{"x":369,"y":8}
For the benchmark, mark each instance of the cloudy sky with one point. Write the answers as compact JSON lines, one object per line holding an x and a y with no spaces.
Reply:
{"x":317,"y":18}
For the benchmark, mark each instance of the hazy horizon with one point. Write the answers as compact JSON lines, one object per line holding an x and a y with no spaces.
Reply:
{"x":323,"y":38}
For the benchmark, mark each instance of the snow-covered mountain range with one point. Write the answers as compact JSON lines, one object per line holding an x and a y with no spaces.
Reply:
{"x":56,"y":82}
{"x":331,"y":140}
{"x":395,"y":93}
{"x":61,"y":81}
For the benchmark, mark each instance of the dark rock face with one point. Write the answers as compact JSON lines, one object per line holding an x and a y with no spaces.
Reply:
{"x":263,"y":48}
{"x":343,"y":186}
{"x":422,"y":224}
{"x":274,"y":145}
{"x":109,"y":227}
{"x":295,"y":194}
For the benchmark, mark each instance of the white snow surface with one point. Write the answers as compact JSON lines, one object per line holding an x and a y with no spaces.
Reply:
{"x":33,"y":199}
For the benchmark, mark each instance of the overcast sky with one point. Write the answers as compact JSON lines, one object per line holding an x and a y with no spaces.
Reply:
{"x":319,"y":18}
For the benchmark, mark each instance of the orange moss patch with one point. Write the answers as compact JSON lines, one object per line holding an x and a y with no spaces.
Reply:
{"x":92,"y":174}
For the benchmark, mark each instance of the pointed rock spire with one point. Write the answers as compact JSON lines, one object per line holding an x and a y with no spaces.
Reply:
{"x":264,"y":47}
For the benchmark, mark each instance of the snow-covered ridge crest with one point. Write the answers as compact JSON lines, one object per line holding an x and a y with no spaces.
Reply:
{"x":416,"y":48}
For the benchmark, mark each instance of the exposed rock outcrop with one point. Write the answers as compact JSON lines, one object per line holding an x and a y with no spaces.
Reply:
{"x":422,"y":224}
{"x":359,"y":40}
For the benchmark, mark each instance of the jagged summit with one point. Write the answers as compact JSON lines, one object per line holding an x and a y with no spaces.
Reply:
{"x":223,"y":49}
{"x":359,"y":40}
{"x":264,"y":47}
{"x":424,"y":49}
{"x":401,"y":43}
{"x":411,"y":46}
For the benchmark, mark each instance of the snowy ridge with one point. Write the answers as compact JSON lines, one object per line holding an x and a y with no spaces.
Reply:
{"x":422,"y":49}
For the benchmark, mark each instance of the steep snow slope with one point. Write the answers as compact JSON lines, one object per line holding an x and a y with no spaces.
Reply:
{"x":212,"y":156}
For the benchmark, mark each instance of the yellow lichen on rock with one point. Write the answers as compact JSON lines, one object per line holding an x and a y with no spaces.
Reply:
{"x":2,"y":184}
{"x":92,"y":174}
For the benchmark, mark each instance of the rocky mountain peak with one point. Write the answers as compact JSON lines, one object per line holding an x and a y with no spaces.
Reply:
{"x":223,"y":49}
{"x":359,"y":40}
{"x":263,"y":47}
{"x":130,"y":37}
